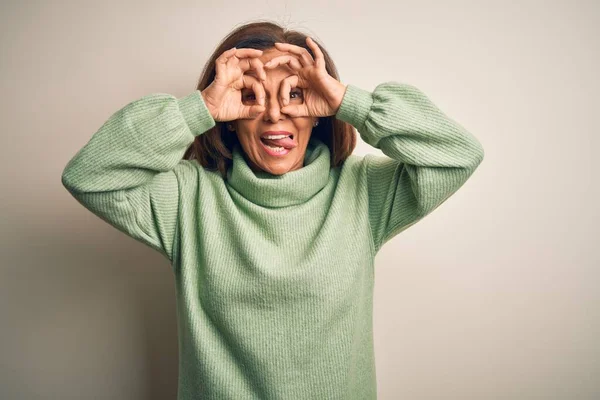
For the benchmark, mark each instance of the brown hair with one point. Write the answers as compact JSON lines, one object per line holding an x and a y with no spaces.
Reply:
{"x":213,"y":149}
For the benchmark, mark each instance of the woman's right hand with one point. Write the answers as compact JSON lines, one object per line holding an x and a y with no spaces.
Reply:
{"x":223,"y":97}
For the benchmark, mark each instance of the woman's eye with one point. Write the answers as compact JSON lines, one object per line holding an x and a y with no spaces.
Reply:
{"x":297,"y":93}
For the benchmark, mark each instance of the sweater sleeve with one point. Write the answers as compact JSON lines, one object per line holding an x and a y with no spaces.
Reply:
{"x":126,"y":173}
{"x":428,"y":156}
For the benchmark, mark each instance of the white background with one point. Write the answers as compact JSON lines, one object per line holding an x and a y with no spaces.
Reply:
{"x":495,"y":295}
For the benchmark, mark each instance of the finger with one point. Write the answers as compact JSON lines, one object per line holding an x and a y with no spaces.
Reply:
{"x":319,"y":57}
{"x":249,"y":112}
{"x":240,"y":53}
{"x":248,"y":82}
{"x":286,"y":87}
{"x":292,"y":61}
{"x":234,"y":51}
{"x":221,"y":62}
{"x":259,"y":91}
{"x":304,"y":55}
{"x":255,"y":64}
{"x":231,"y":61}
{"x":237,"y":54}
{"x":222,"y":59}
{"x":295,"y":110}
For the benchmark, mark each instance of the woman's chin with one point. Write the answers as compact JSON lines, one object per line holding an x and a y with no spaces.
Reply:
{"x":276,"y":163}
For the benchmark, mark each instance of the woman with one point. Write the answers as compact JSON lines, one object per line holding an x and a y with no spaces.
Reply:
{"x":270,"y":223}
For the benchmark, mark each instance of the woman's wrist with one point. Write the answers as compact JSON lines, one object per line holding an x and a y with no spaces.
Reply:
{"x":208,"y":105}
{"x":338,"y":96}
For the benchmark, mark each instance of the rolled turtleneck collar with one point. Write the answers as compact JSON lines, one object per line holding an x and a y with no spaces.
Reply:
{"x":291,"y":188}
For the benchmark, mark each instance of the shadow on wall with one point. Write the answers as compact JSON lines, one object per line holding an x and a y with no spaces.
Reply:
{"x":88,"y":310}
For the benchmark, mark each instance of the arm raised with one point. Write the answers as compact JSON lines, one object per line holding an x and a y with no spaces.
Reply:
{"x":429,"y":156}
{"x":127,"y":173}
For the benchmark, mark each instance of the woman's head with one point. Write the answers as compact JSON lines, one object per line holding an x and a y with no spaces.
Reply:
{"x":213,"y":148}
{"x":249,"y":132}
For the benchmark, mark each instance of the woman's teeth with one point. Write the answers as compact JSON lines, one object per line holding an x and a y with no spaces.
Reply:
{"x":279,"y":149}
{"x":275,"y":136}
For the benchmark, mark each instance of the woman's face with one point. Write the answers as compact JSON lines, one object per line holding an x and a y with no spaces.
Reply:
{"x":250,"y":131}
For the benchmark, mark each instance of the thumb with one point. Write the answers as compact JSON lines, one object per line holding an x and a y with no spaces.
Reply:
{"x":252,"y":111}
{"x":294,"y":110}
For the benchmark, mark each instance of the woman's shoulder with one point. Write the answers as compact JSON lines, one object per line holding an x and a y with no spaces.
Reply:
{"x":191,"y":171}
{"x":357,"y":164}
{"x":354,"y":162}
{"x":353,"y":166}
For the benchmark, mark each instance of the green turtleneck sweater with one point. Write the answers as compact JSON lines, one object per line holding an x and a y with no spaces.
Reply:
{"x":274,"y":274}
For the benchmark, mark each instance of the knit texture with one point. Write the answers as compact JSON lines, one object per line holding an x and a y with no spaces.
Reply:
{"x":274,"y":274}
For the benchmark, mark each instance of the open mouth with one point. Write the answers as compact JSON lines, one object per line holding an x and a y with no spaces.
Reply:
{"x":266,"y":141}
{"x":281,"y":145}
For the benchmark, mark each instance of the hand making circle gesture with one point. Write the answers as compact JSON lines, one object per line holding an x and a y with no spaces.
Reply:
{"x":223,"y":97}
{"x":322,"y":93}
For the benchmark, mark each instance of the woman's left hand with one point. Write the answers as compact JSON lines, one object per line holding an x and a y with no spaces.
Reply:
{"x":322,"y":93}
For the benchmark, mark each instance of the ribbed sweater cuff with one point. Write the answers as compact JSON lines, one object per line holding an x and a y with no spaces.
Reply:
{"x":196,"y":113}
{"x":355,"y":106}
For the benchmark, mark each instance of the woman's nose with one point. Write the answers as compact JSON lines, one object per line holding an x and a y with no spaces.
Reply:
{"x":273,"y":108}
